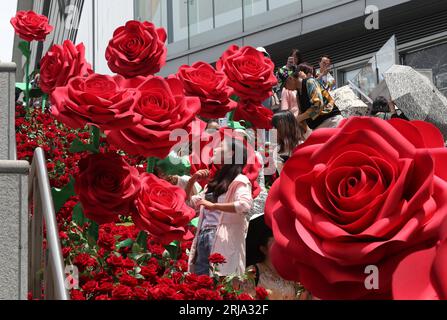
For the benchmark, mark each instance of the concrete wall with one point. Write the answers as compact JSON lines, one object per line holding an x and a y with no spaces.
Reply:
{"x":13,"y":230}
{"x":7,"y":111}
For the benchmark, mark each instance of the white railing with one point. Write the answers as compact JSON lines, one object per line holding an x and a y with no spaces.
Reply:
{"x":46,"y":265}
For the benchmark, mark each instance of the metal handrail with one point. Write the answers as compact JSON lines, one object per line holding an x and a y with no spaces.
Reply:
{"x":49,"y":260}
{"x":364,"y":95}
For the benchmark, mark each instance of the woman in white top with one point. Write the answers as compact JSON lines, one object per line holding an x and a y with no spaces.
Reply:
{"x":223,"y":205}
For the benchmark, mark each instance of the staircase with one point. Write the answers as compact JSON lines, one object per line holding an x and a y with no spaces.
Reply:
{"x":26,"y":206}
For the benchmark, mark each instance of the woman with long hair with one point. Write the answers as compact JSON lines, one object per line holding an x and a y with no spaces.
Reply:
{"x":223,"y":205}
{"x":289,"y":136}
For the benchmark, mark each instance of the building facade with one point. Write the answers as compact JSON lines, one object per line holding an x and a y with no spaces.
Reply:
{"x":350,"y":31}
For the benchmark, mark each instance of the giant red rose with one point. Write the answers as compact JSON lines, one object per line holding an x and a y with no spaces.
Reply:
{"x":161,"y":209}
{"x":161,"y":109}
{"x":249,"y":73}
{"x":107,"y":187}
{"x":101,"y":100}
{"x":255,"y":113}
{"x":31,"y":26}
{"x":423,"y":274}
{"x":61,"y":63}
{"x":368,"y":193}
{"x":137,"y":49}
{"x":203,"y":81}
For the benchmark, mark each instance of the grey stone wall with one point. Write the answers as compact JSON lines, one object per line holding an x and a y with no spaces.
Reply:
{"x":7,"y":111}
{"x":13,"y":230}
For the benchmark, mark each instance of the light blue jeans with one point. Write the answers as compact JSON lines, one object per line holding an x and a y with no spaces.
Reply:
{"x":203,"y":251}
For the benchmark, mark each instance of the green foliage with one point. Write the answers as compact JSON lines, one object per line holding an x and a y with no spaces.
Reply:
{"x":61,"y":196}
{"x":24,"y":47}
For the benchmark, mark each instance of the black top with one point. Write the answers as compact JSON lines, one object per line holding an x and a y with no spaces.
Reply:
{"x":305,"y":105}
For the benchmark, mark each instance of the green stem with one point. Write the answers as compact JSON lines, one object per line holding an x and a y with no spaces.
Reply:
{"x":151,"y":164}
{"x":231,"y":116}
{"x":44,"y":102}
{"x":27,"y":75}
{"x":95,"y":136}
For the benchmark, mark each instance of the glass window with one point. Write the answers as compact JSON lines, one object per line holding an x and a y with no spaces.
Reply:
{"x":227,"y":12}
{"x":155,"y":11}
{"x":200,"y":16}
{"x":309,"y":5}
{"x":178,"y":20}
{"x":273,"y":4}
{"x":254,"y":7}
{"x":434,"y":59}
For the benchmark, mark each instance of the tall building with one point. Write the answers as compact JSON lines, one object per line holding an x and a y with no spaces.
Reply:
{"x":351,"y":31}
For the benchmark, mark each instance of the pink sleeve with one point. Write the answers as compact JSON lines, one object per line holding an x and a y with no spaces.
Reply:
{"x":243,"y":199}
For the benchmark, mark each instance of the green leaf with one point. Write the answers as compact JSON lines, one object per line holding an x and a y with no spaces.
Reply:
{"x":36,"y":93}
{"x":124,"y":244}
{"x":174,"y":165}
{"x":78,"y":146}
{"x":235,"y":98}
{"x":78,"y":215}
{"x":173,"y":249}
{"x":21,"y":86}
{"x":24,"y":47}
{"x":194,"y":222}
{"x":61,"y":196}
{"x":93,"y":233}
{"x":136,"y":248}
{"x":142,"y":240}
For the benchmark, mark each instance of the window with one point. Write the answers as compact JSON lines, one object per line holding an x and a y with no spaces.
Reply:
{"x":434,"y":59}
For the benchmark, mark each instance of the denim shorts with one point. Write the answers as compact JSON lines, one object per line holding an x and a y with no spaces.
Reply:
{"x":205,"y":242}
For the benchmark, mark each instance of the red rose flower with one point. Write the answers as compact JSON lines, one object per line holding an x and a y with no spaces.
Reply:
{"x":106,"y":186}
{"x":149,"y":271}
{"x":101,"y":100}
{"x":249,"y":73}
{"x":31,"y":26}
{"x":83,"y":261}
{"x":261,"y":293}
{"x":137,"y":49}
{"x":161,"y":209}
{"x":217,"y":258}
{"x":255,"y":113}
{"x":77,"y":295}
{"x":103,"y":297}
{"x":422,"y":275}
{"x":128,"y":280}
{"x":60,"y":64}
{"x":162,"y":108}
{"x":122,"y":292}
{"x":203,"y":81}
{"x":367,"y":193}
{"x":206,"y":295}
{"x":245,"y":297}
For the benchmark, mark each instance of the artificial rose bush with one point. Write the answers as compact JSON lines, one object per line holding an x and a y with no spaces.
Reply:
{"x":249,"y":73}
{"x":370,"y":192}
{"x":203,"y":81}
{"x":31,"y":26}
{"x":160,"y":109}
{"x":422,"y":275}
{"x":101,"y":100}
{"x":137,"y":49}
{"x":255,"y":113}
{"x":61,"y":63}
{"x":161,"y":209}
{"x":107,"y":186}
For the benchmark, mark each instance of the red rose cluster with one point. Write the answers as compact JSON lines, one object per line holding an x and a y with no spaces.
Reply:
{"x":369,"y":193}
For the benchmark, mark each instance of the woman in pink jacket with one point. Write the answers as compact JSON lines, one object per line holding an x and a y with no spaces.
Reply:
{"x":223,"y":205}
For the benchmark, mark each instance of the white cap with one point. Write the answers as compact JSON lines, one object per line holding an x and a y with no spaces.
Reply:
{"x":262,"y":49}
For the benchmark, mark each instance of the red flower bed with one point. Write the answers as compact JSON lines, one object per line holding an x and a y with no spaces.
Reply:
{"x":119,"y":265}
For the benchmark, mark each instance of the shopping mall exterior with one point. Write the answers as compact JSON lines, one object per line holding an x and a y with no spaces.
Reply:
{"x":351,"y":31}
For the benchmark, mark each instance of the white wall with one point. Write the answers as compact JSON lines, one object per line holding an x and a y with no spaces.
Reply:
{"x":110,"y":14}
{"x":8,"y":10}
